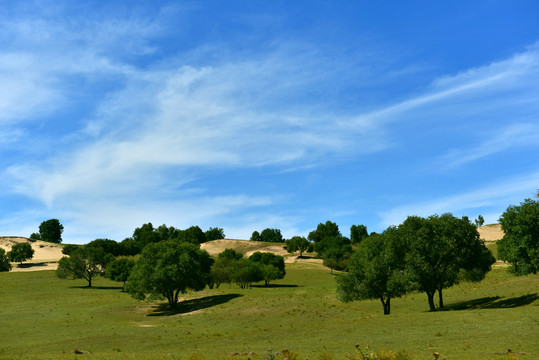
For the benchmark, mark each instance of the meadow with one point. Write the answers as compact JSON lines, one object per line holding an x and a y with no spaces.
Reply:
{"x":43,"y":317}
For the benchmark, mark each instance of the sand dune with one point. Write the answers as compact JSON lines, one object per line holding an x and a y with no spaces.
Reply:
{"x":46,"y":255}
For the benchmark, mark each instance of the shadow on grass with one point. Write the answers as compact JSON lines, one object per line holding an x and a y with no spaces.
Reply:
{"x":191,"y":305}
{"x":275,"y":286}
{"x":97,"y":287}
{"x":493,"y":302}
{"x":32,"y":265}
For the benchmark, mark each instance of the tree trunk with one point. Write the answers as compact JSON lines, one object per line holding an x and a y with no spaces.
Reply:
{"x":440,"y":298}
{"x":430,"y":295}
{"x":386,"y":304}
{"x":89,"y":281}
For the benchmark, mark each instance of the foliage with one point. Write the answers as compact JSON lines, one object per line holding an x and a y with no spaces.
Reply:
{"x":69,"y":248}
{"x":299,"y":243}
{"x":376,"y":270}
{"x":439,"y":250}
{"x":520,"y":244}
{"x":214,"y":234}
{"x":479,"y":221}
{"x":84,"y":263}
{"x":120,"y":269}
{"x":51,"y":231}
{"x":230,"y":254}
{"x":329,"y":229}
{"x":35,"y":236}
{"x":255,"y":236}
{"x":20,"y":252}
{"x":4,"y":261}
{"x":273,"y":266}
{"x":109,"y":246}
{"x":245,"y":272}
{"x":193,"y":235}
{"x":358,"y":233}
{"x":271,"y":235}
{"x":168,"y":268}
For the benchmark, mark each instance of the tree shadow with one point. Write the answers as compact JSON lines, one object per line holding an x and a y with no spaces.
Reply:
{"x":275,"y":286}
{"x":493,"y":302}
{"x":31,"y":265}
{"x":187,"y":306}
{"x":93,"y":287}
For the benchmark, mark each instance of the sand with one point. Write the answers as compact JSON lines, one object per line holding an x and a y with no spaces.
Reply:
{"x":46,"y":255}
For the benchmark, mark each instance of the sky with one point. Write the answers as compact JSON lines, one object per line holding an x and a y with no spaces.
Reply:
{"x":248,"y":115}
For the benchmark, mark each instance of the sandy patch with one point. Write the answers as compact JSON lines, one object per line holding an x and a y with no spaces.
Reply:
{"x":492,"y":232}
{"x":46,"y":255}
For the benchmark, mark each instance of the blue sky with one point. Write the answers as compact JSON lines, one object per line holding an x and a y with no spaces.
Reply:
{"x":248,"y":115}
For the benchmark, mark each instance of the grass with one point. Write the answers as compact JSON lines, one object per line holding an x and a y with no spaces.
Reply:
{"x":43,"y":317}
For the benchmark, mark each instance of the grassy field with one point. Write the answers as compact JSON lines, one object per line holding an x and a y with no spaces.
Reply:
{"x":42,"y":317}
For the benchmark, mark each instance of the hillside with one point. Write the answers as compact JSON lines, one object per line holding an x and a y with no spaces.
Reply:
{"x":46,"y":254}
{"x":492,"y":232}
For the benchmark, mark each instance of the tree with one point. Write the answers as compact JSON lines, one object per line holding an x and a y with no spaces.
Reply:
{"x":358,"y":233}
{"x":245,"y":272}
{"x":168,"y":268}
{"x":273,"y":266}
{"x":84,"y":263}
{"x":214,"y":234}
{"x":109,"y":246}
{"x":298,"y":243}
{"x":440,"y":249}
{"x":4,"y":261}
{"x":255,"y":236}
{"x":69,"y":248}
{"x":520,"y":244}
{"x":21,"y":252}
{"x":329,"y":229}
{"x":375,"y":271}
{"x":271,"y":235}
{"x":120,"y":269}
{"x":35,"y":236}
{"x":51,"y":231}
{"x":193,"y":235}
{"x":479,"y":221}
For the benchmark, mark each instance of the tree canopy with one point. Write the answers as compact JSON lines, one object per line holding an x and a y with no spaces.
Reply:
{"x":358,"y":233}
{"x":273,"y":266}
{"x":298,"y":243}
{"x":168,"y":268}
{"x":51,"y":231}
{"x":271,"y":235}
{"x":120,"y":269}
{"x":214,"y":234}
{"x":84,"y":263}
{"x":21,"y":252}
{"x":4,"y":261}
{"x":520,"y":244}
{"x":375,"y":271}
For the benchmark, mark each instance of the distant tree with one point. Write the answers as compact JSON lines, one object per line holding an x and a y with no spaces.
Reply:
{"x":168,"y":268}
{"x":120,"y":269}
{"x":223,"y":268}
{"x":129,"y":247}
{"x":69,"y":248}
{"x":520,"y":244}
{"x":144,"y":235}
{"x":84,"y":263}
{"x":20,"y":252}
{"x":230,"y":254}
{"x":329,"y":229}
{"x":479,"y":221}
{"x":440,"y":249}
{"x":193,"y":235}
{"x":273,"y":266}
{"x":35,"y":236}
{"x":245,"y":272}
{"x":337,"y":257}
{"x":255,"y":236}
{"x":214,"y":234}
{"x":271,"y":235}
{"x":164,"y":232}
{"x":358,"y":233}
{"x":4,"y":261}
{"x":298,"y":243}
{"x":109,"y":246}
{"x":376,"y":270}
{"x":333,"y":244}
{"x":51,"y":231}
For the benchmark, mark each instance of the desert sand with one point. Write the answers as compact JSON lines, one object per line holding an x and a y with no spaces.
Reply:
{"x":46,"y":255}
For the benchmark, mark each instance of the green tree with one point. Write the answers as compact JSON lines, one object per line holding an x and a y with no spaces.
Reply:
{"x":109,"y":246}
{"x":273,"y":266}
{"x":358,"y":233}
{"x":255,"y":236}
{"x":168,"y":268}
{"x":440,"y":249}
{"x":193,"y":235}
{"x":214,"y":234}
{"x":51,"y":231}
{"x":35,"y":236}
{"x":298,"y":243}
{"x":245,"y":272}
{"x":329,"y":229}
{"x":230,"y":254}
{"x":144,"y":235}
{"x":479,"y":221}
{"x":120,"y":269}
{"x":69,"y":248}
{"x":271,"y":235}
{"x":4,"y":261}
{"x":21,"y":252}
{"x":84,"y":263}
{"x":375,"y":271}
{"x":223,"y":268}
{"x":520,"y":244}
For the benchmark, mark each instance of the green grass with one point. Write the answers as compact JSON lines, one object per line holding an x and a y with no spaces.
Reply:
{"x":42,"y":317}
